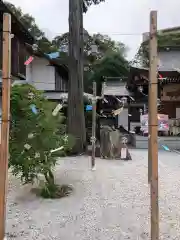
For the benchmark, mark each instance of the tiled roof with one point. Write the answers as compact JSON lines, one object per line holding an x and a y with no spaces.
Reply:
{"x":116,"y":89}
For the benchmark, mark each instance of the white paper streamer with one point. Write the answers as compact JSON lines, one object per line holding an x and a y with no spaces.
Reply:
{"x":58,"y":149}
{"x":30,"y":135}
{"x":117,"y":111}
{"x":27,"y":146}
{"x":37,"y":155}
{"x":57,"y":109}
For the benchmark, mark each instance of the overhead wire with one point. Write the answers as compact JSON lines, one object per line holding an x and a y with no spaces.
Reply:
{"x":106,"y":33}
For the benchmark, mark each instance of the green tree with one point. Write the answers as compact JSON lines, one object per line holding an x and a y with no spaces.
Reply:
{"x":113,"y":64}
{"x":30,"y":24}
{"x":106,"y":48}
{"x":103,"y":42}
{"x":33,"y":135}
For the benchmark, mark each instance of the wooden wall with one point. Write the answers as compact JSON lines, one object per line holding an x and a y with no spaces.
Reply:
{"x":169,"y":108}
{"x":61,"y":84}
{"x":171,"y":93}
{"x":18,"y":56}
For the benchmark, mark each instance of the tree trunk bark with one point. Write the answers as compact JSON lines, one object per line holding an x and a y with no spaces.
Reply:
{"x":76,"y":119}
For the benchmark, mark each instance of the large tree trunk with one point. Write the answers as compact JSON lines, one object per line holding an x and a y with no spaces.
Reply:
{"x":76,"y":120}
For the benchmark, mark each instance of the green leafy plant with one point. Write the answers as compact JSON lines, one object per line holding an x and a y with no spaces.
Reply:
{"x":33,"y":134}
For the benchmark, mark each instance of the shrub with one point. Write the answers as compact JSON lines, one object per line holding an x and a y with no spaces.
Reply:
{"x":34,"y":132}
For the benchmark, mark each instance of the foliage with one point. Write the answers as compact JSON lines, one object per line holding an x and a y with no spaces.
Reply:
{"x":105,"y":45}
{"x":88,"y":3}
{"x":33,"y":136}
{"x":142,"y":56}
{"x":112,"y":65}
{"x":165,"y":40}
{"x":103,"y":42}
{"x":55,"y":191}
{"x":108,"y":61}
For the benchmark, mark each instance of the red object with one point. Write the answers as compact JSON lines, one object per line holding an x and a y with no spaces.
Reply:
{"x":28,"y":61}
{"x":160,"y":76}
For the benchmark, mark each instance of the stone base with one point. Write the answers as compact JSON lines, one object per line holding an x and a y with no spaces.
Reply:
{"x":98,"y":154}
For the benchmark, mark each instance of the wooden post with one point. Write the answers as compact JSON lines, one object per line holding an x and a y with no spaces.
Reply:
{"x":149,"y":129}
{"x":4,"y":153}
{"x":154,"y":127}
{"x":93,"y":138}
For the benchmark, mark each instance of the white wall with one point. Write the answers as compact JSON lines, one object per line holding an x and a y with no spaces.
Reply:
{"x":40,"y":75}
{"x":177,"y":112}
{"x":169,"y":59}
{"x":123,"y":118}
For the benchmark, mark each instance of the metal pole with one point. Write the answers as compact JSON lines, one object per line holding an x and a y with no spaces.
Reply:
{"x":6,"y":83}
{"x":154,"y":127}
{"x":93,"y":138}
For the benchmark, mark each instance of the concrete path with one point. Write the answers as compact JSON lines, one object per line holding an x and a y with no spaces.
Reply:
{"x":111,"y":203}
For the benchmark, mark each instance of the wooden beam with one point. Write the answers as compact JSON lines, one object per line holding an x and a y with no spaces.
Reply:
{"x":153,"y":121}
{"x":4,"y":151}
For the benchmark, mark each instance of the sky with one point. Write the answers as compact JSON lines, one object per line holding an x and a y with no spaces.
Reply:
{"x":123,"y":21}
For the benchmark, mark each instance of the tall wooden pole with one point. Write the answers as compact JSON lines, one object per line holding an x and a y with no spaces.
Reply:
{"x":149,"y":127}
{"x":4,"y":151}
{"x":154,"y":127}
{"x":93,"y":138}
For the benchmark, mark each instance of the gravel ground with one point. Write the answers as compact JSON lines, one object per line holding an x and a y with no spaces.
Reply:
{"x":111,"y":203}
